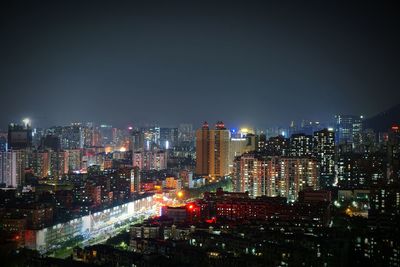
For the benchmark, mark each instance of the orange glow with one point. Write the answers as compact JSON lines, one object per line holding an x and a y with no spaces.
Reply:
{"x":180,"y":194}
{"x":349,"y":212}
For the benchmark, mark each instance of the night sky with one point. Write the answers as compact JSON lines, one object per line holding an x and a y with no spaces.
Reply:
{"x":260,"y":63}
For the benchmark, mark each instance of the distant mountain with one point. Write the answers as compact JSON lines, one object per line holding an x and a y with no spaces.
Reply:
{"x":384,"y":120}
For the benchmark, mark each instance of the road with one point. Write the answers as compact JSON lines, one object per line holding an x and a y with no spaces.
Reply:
{"x":102,"y":234}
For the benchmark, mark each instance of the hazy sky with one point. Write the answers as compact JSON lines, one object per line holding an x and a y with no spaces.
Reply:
{"x":261,"y":63}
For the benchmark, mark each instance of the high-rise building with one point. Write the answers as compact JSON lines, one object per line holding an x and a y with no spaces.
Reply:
{"x":348,"y":170}
{"x":115,"y":136}
{"x":355,"y":170}
{"x":393,"y":154}
{"x":50,"y":142}
{"x":151,"y":137}
{"x":87,"y":135}
{"x":8,"y":171}
{"x":3,"y":141}
{"x":37,"y":135}
{"x":349,"y":129}
{"x":249,"y":174}
{"x":287,"y":176}
{"x":301,"y":145}
{"x":12,"y":166}
{"x":91,"y":135}
{"x":74,"y":159}
{"x":159,"y":160}
{"x":58,"y":163}
{"x":219,"y":149}
{"x":92,"y":156}
{"x":185,"y":133}
{"x":239,"y":146}
{"x":71,"y":137}
{"x":369,"y":141}
{"x":212,"y":151}
{"x":23,"y":161}
{"x":276,"y":146}
{"x":385,"y":206}
{"x":106,"y":133}
{"x":41,"y":163}
{"x":203,"y":150}
{"x":168,"y":137}
{"x":150,"y":160}
{"x":261,"y":141}
{"x":275,"y":185}
{"x":19,"y":136}
{"x":137,"y":140}
{"x":135,"y":180}
{"x":274,"y":175}
{"x":324,"y":152}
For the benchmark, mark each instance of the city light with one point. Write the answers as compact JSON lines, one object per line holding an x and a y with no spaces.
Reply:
{"x":167,"y":144}
{"x":349,"y":212}
{"x":222,"y":134}
{"x":26,"y":122}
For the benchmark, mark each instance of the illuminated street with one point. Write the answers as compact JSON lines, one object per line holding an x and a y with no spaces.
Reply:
{"x":94,"y":228}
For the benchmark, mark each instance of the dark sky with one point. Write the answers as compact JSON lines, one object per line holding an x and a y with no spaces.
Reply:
{"x":260,"y":63}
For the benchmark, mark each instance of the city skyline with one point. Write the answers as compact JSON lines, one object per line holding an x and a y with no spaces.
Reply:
{"x":232,"y":125}
{"x":107,"y":62}
{"x":199,"y":133}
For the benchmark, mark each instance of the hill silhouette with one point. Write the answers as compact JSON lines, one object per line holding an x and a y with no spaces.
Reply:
{"x":384,"y":120}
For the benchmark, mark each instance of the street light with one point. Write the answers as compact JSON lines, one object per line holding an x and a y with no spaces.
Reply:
{"x":180,"y":194}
